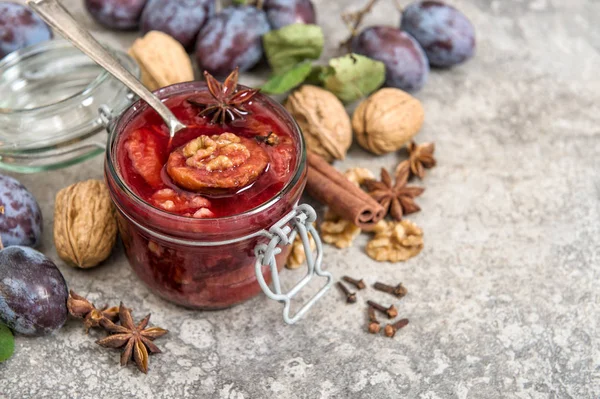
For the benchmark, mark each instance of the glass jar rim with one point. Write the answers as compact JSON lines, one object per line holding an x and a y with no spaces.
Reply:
{"x":51,"y":45}
{"x":180,"y":88}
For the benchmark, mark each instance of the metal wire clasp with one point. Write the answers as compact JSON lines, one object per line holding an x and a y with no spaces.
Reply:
{"x":298,"y":221}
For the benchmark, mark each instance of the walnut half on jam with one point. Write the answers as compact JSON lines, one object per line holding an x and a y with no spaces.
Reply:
{"x":224,"y":161}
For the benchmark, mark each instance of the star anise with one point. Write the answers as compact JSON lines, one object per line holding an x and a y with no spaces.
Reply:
{"x":135,"y":340}
{"x":223,"y":100}
{"x":396,"y":198}
{"x":420,"y":158}
{"x":81,"y":308}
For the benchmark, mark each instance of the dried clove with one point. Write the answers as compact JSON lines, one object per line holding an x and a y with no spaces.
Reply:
{"x":374,"y":325}
{"x":398,"y":291}
{"x":350,"y":296}
{"x":359,"y":284}
{"x":391,"y":312}
{"x":390,"y":329}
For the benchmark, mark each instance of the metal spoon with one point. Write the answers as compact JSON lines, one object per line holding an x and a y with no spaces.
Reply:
{"x":59,"y":18}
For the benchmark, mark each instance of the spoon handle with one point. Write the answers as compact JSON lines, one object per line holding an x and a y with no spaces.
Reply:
{"x":59,"y":18}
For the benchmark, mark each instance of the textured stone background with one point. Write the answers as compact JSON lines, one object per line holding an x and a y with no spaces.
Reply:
{"x":502,"y":301}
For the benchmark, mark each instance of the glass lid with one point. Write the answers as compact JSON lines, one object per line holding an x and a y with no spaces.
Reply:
{"x":49,"y":108}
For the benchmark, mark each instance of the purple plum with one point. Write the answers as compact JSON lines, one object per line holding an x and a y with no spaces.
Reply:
{"x":116,"y":14}
{"x":181,"y":19}
{"x":33,"y":292}
{"x":20,"y":27}
{"x":20,"y":215}
{"x":406,"y":66}
{"x":230,"y":39}
{"x":287,"y":12}
{"x":446,"y":34}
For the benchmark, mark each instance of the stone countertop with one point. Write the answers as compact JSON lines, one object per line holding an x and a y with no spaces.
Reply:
{"x":502,"y":300}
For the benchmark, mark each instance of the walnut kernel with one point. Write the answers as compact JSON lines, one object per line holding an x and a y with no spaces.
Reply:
{"x":297,"y":256}
{"x":337,"y":231}
{"x":359,"y":175}
{"x":395,"y":241}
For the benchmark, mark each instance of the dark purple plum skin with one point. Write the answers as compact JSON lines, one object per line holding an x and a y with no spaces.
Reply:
{"x":406,"y":66}
{"x":287,"y":12}
{"x":230,"y":39}
{"x":181,"y":19}
{"x":20,"y":27}
{"x":446,"y":34}
{"x":21,"y":222}
{"x":33,"y":292}
{"x":116,"y":14}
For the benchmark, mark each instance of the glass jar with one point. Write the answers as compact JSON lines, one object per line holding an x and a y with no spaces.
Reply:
{"x":217,"y":262}
{"x":49,"y":107}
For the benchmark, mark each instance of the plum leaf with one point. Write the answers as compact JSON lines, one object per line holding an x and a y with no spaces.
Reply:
{"x":287,"y":47}
{"x":286,"y":81}
{"x":7,"y":343}
{"x":354,"y":76}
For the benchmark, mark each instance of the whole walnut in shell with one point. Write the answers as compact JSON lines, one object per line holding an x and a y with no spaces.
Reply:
{"x":323,"y":119}
{"x":85,"y":225}
{"x":387,"y":120}
{"x":163,"y":61}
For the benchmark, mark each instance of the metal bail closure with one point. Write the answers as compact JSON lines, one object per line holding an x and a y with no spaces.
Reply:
{"x":301,"y":218}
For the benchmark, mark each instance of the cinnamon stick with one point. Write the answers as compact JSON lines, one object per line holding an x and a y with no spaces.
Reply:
{"x":327,"y":185}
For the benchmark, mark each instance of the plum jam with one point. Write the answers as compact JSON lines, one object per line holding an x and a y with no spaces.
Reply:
{"x":192,"y":209}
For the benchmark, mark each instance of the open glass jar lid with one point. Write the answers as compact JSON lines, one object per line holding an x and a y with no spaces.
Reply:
{"x":49,"y":114}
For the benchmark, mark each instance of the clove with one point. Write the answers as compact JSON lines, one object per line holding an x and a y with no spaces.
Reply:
{"x":391,"y":312}
{"x":350,"y":296}
{"x":390,"y":329}
{"x":374,"y":325}
{"x":359,"y":284}
{"x":398,"y":291}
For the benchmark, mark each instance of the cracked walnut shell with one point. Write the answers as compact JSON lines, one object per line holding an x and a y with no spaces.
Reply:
{"x":395,"y":241}
{"x":324,"y":121}
{"x":85,"y":225}
{"x":387,"y":120}
{"x":163,"y":61}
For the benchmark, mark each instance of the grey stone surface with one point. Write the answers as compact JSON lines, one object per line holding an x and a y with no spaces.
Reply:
{"x":504,"y":299}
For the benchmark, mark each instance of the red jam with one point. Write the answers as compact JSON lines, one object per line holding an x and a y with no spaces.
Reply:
{"x":152,"y":168}
{"x":189,"y":212}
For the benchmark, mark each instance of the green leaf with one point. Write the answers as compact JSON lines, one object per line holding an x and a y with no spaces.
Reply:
{"x":7,"y":343}
{"x":354,"y":76}
{"x":318,"y":74}
{"x":286,"y":81}
{"x":291,"y":45}
{"x":240,"y":2}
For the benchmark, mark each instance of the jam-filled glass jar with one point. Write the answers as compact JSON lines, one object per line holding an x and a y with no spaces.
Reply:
{"x":207,"y":217}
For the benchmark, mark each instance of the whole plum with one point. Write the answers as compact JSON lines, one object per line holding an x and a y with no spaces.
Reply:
{"x":287,"y":12}
{"x":230,"y":39}
{"x":446,"y":34}
{"x":33,"y":292}
{"x":116,"y":14}
{"x":20,"y":215}
{"x":406,"y":65}
{"x":181,"y":19}
{"x":20,"y":27}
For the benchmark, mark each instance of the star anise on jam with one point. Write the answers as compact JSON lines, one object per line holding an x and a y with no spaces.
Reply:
{"x":81,"y":308}
{"x":136,"y":341}
{"x":420,"y":158}
{"x":396,"y":198}
{"x":223,"y":100}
